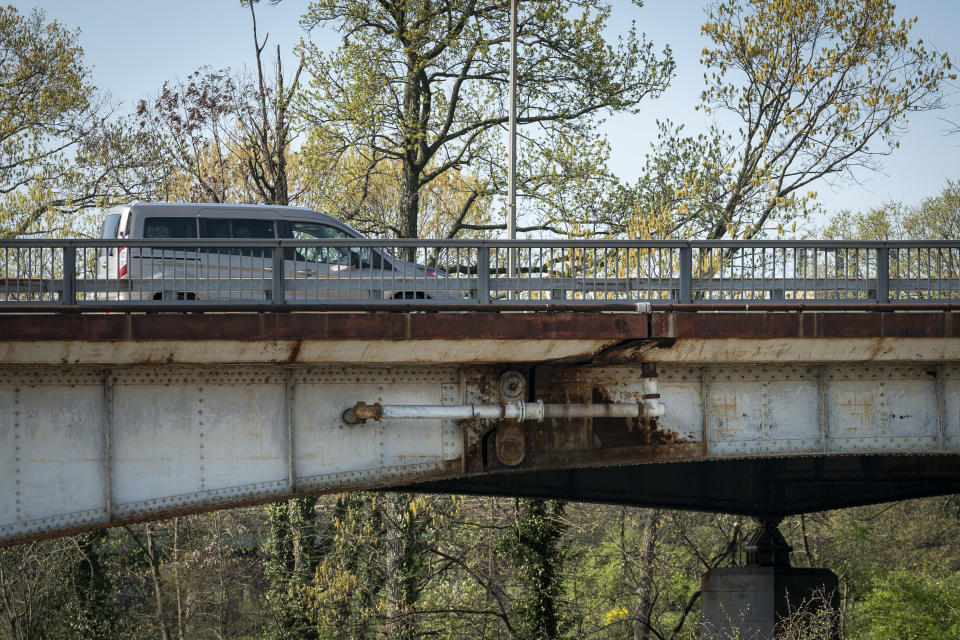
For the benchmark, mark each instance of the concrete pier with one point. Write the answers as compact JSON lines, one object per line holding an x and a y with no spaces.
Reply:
{"x":750,"y":603}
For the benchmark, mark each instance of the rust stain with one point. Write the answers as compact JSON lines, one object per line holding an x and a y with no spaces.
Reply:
{"x":627,"y":432}
{"x":860,"y":412}
{"x":724,"y":411}
{"x":617,"y":327}
{"x":295,"y":351}
{"x":640,"y":454}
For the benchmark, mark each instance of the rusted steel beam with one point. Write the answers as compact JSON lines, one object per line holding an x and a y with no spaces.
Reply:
{"x":470,"y":326}
{"x":325,"y":326}
{"x":805,"y":324}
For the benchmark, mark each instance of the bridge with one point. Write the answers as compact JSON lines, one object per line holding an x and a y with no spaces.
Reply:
{"x":763,"y":378}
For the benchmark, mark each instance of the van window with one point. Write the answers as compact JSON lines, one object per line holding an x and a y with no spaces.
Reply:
{"x":111,"y":226}
{"x":244,"y":229}
{"x":314,"y":231}
{"x":212,"y":228}
{"x":170,"y":228}
{"x":333,"y":255}
{"x":240,"y":229}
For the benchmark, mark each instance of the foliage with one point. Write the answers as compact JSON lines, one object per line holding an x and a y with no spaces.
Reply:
{"x":812,"y":90}
{"x":47,"y":107}
{"x":291,"y":561}
{"x":217,"y":136}
{"x":91,"y":611}
{"x":476,"y":568}
{"x":904,"y":605}
{"x":420,"y":89}
{"x":936,"y":217}
{"x":534,"y":545}
{"x":349,"y":190}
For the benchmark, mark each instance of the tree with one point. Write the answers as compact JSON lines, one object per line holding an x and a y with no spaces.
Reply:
{"x":217,"y":136}
{"x":32,"y":588}
{"x":903,"y":604}
{"x":47,"y":107}
{"x":345,"y":598}
{"x":266,"y":128}
{"x":91,"y":612}
{"x":883,"y":222}
{"x":534,"y":544}
{"x":291,"y":560}
{"x":191,"y":126}
{"x":422,"y":87}
{"x":816,"y":89}
{"x":934,"y":218}
{"x":348,"y":190}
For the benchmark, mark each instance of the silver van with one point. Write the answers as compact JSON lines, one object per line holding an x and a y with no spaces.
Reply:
{"x":208,"y":267}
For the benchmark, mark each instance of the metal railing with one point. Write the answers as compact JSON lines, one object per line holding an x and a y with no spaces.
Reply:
{"x":462,"y":274}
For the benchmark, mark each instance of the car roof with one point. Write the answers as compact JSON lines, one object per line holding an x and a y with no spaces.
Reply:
{"x":190,"y":209}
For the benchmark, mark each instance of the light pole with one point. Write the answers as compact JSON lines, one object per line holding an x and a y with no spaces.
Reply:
{"x":512,"y":175}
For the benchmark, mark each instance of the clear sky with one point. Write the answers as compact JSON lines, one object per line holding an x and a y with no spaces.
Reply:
{"x":133,"y":46}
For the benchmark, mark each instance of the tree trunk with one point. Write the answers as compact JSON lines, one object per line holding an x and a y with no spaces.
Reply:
{"x":413,"y":143}
{"x":176,"y":576}
{"x":409,"y":205}
{"x":538,"y":557}
{"x":155,"y":574}
{"x":399,"y":592}
{"x":644,"y":589}
{"x":19,"y":629}
{"x":222,"y":600}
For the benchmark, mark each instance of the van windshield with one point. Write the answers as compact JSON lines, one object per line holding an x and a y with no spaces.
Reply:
{"x":111,"y":226}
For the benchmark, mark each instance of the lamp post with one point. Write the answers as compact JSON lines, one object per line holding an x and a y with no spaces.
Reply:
{"x":512,"y":175}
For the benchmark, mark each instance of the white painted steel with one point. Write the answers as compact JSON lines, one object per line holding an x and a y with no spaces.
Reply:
{"x":82,"y":446}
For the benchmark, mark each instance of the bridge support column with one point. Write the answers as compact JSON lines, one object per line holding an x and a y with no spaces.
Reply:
{"x":751,"y":602}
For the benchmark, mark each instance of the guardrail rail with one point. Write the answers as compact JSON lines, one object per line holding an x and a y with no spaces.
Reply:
{"x":174,"y":274}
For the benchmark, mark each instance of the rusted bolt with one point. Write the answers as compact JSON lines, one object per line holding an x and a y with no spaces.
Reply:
{"x":361,"y":412}
{"x":510,"y":451}
{"x":510,"y":443}
{"x":512,"y":385}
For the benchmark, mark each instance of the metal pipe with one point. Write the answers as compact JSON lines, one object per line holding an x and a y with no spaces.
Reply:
{"x":520,"y":411}
{"x":653,"y":407}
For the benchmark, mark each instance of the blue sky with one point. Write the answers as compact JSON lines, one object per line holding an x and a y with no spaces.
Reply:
{"x":133,"y":46}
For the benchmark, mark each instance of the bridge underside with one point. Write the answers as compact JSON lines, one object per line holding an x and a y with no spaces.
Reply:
{"x":118,"y":418}
{"x":757,"y":486}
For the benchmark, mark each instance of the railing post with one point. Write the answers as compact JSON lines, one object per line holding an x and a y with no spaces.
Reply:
{"x":276,"y":292}
{"x":883,"y":274}
{"x":68,"y":295}
{"x":686,"y":275}
{"x":483,"y":274}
